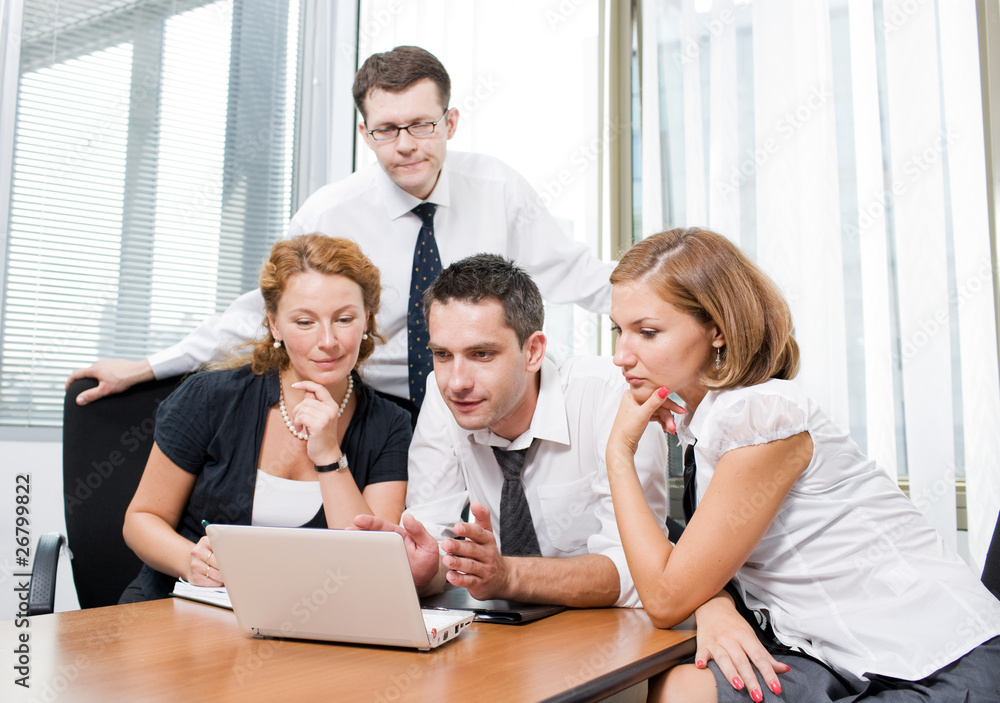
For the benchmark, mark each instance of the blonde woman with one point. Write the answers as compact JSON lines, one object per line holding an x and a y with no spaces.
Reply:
{"x":855,"y":590}
{"x":290,"y":437}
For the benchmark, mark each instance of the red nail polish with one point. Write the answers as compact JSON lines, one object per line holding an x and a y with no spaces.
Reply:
{"x":700,"y":664}
{"x":757,"y":695}
{"x":737,"y":683}
{"x":662,"y":392}
{"x":776,"y":687}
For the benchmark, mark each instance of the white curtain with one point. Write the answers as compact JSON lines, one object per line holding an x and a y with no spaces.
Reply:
{"x":10,"y":52}
{"x":524,"y":79}
{"x":840,"y":142}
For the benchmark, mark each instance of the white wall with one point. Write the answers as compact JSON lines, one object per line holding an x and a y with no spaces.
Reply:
{"x":42,"y":463}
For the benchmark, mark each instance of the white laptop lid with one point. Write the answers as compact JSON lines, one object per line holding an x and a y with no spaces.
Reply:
{"x":337,"y":585}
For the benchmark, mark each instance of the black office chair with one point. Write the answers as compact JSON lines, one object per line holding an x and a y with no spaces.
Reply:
{"x":105,"y":448}
{"x":991,"y":570}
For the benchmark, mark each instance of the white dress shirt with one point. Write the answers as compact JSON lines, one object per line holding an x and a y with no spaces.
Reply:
{"x":565,"y":476}
{"x":849,"y":571}
{"x":483,"y":206}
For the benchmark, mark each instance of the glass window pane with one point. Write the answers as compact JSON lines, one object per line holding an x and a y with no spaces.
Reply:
{"x":152,"y":169}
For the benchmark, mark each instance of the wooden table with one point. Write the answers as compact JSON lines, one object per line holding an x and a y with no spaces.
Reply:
{"x":174,"y":650}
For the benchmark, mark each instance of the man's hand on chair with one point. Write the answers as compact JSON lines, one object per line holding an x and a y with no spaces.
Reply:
{"x":113,"y":376}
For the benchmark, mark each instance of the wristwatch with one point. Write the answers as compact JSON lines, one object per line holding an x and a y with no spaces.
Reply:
{"x":338,"y":465}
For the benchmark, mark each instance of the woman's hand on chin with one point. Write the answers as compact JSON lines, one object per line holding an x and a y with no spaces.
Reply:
{"x":317,"y":413}
{"x":663,"y":412}
{"x":633,"y":417}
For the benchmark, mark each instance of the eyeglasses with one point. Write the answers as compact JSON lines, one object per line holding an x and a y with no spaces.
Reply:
{"x":420,"y":129}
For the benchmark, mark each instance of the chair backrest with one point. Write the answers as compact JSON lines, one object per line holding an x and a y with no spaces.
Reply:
{"x":105,"y":448}
{"x":991,"y":571}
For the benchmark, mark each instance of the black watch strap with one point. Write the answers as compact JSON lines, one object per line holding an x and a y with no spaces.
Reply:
{"x":338,"y":465}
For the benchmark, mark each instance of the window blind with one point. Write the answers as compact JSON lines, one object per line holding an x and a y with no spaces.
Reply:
{"x":151,"y":174}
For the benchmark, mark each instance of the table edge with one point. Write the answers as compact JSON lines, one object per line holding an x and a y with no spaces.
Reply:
{"x":608,"y":684}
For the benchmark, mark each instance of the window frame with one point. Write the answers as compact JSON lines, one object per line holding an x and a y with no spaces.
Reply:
{"x":142,"y":23}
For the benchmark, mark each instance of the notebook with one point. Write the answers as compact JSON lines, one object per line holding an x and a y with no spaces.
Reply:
{"x":202,"y":594}
{"x":507,"y":612}
{"x":334,"y":585}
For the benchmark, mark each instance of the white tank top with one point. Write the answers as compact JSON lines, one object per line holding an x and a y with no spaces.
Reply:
{"x":283,"y":502}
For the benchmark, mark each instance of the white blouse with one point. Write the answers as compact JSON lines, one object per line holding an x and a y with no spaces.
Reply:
{"x":849,"y":571}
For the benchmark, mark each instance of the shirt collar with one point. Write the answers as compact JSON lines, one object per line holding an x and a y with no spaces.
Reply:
{"x":398,"y":202}
{"x":690,"y":428}
{"x":548,"y":422}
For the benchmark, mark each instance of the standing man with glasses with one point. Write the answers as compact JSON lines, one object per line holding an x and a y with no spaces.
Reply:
{"x":413,"y":213}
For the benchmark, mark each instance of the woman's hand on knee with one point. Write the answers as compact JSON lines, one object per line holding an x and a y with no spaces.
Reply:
{"x":723,"y":635}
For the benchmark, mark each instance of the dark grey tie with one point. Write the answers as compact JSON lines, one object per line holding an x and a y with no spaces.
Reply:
{"x":517,"y":531}
{"x":689,"y":499}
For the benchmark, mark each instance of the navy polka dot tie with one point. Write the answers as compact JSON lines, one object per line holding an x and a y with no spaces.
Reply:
{"x":426,"y":267}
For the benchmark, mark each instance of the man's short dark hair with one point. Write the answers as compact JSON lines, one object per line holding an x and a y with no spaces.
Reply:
{"x":491,"y":277}
{"x":395,"y":71}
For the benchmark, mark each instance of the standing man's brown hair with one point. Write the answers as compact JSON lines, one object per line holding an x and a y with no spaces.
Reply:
{"x":395,"y":71}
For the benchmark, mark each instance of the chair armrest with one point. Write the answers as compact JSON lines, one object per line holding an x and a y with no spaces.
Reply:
{"x":42,"y":591}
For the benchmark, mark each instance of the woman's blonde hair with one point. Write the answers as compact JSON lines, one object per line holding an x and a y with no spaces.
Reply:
{"x":708,"y":277}
{"x":326,"y":255}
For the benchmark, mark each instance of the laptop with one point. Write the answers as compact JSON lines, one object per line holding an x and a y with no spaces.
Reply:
{"x":334,"y":585}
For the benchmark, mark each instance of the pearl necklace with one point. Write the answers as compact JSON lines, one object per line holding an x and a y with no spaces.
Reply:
{"x":288,"y":422}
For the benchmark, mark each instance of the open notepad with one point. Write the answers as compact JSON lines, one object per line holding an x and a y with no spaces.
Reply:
{"x":202,"y":594}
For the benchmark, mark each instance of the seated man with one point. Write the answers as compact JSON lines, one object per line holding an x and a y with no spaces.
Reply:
{"x":544,"y":532}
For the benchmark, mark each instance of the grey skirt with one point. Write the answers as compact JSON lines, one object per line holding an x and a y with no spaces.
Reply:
{"x":972,"y":678}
